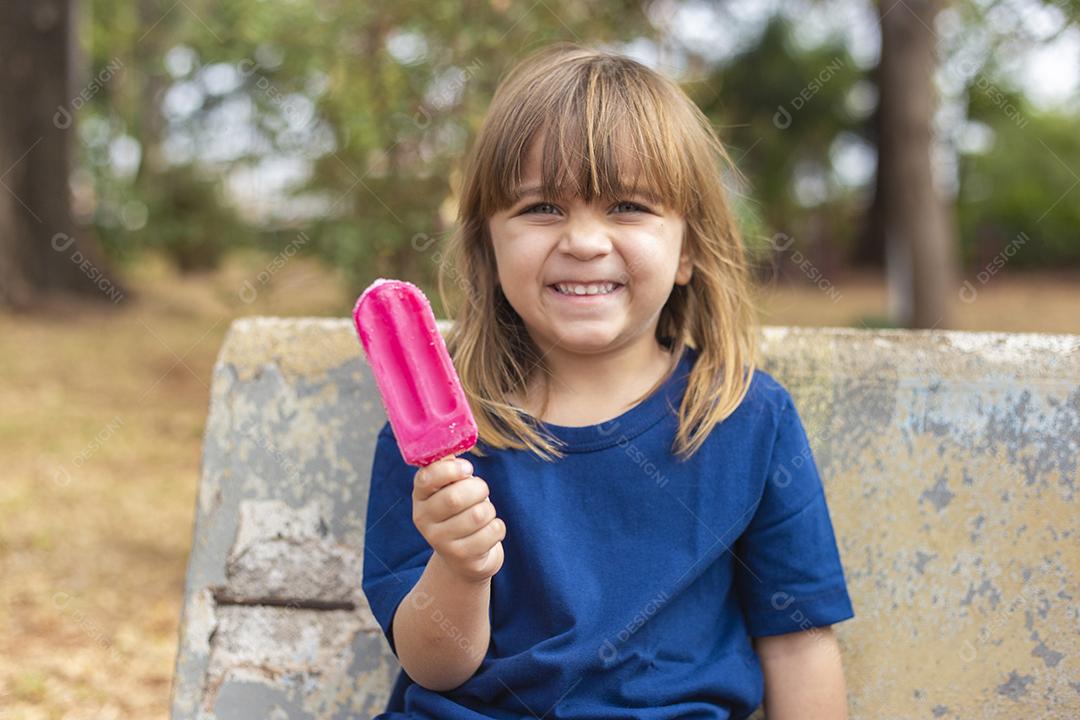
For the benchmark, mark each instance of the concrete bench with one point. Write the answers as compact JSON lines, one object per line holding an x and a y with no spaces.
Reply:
{"x":950,"y":462}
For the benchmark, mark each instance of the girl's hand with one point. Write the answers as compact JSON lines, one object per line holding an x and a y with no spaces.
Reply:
{"x":452,"y":511}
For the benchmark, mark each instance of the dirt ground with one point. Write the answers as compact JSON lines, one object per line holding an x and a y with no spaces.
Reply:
{"x":100,"y":436}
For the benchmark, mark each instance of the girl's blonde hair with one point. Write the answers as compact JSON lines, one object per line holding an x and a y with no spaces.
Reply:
{"x":597,"y":108}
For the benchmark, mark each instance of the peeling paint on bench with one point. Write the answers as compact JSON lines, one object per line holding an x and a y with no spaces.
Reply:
{"x":950,"y":462}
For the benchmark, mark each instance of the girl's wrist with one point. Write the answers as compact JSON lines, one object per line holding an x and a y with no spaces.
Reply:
{"x":445,"y":571}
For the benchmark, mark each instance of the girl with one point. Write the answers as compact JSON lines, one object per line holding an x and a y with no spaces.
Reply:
{"x":641,"y":531}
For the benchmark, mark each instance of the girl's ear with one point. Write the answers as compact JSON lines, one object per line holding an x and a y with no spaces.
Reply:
{"x":686,"y":267}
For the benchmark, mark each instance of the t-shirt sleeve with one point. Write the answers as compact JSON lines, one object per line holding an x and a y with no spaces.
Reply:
{"x":395,"y":553}
{"x":788,"y":573}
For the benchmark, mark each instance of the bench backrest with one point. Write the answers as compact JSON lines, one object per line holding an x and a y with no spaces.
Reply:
{"x":950,"y":463}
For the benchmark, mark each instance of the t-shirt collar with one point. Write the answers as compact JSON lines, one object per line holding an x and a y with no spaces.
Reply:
{"x":663,"y":402}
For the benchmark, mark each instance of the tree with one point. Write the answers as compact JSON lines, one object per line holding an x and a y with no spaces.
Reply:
{"x":921,"y":263}
{"x":907,"y":225}
{"x":40,"y":251}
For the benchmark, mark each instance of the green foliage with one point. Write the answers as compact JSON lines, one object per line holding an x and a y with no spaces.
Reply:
{"x":780,"y":109}
{"x":374,"y":105}
{"x":1020,"y":195}
{"x":189,"y":222}
{"x":378,"y":102}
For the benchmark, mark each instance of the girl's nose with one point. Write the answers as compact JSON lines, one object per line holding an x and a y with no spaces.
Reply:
{"x":585,"y":238}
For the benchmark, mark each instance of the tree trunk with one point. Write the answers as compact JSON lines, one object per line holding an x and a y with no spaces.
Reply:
{"x":921,"y":261}
{"x":40,"y":251}
{"x":869,"y":251}
{"x":146,"y":97}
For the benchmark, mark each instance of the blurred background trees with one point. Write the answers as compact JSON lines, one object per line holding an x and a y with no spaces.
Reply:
{"x":896,"y":136}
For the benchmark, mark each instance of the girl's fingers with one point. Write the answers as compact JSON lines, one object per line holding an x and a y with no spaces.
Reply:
{"x":480,"y":542}
{"x":432,"y":478}
{"x":455,"y":498}
{"x":467,"y":521}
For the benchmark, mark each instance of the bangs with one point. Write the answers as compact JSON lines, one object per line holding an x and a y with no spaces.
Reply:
{"x":608,"y":136}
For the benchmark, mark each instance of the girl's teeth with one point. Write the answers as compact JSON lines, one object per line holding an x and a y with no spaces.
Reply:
{"x":586,"y":289}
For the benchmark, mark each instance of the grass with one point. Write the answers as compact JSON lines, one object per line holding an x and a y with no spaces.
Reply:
{"x":101,"y":440}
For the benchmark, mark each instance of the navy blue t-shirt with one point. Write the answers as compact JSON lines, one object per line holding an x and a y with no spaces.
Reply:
{"x":632,"y":583}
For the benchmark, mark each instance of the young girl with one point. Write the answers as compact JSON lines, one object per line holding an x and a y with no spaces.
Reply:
{"x":641,"y":531}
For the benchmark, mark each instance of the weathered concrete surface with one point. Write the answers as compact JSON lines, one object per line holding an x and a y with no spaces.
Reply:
{"x":275,"y":624}
{"x":950,"y":461}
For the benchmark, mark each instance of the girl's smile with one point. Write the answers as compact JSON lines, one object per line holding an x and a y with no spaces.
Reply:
{"x":596,"y":296}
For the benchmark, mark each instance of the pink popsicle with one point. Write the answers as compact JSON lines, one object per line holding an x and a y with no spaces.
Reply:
{"x":419,"y":387}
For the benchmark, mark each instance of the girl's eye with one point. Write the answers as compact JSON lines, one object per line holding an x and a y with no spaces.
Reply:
{"x":634,"y":206}
{"x":539,"y":205}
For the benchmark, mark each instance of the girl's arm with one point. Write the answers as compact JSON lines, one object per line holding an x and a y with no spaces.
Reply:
{"x":441,"y":629}
{"x":804,"y":677}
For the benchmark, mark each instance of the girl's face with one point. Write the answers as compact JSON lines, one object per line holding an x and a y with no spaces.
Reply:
{"x":633,"y":242}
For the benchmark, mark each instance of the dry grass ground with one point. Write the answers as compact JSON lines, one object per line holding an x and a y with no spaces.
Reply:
{"x":100,"y":435}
